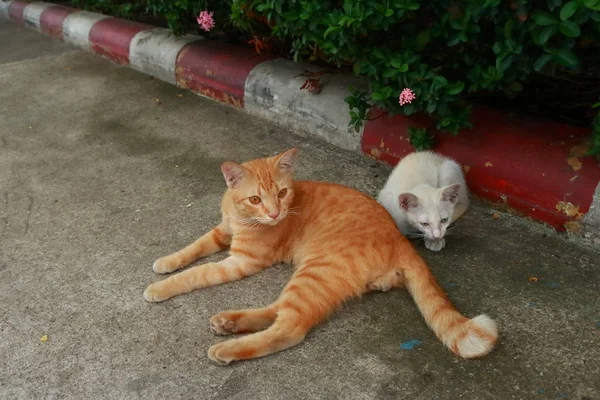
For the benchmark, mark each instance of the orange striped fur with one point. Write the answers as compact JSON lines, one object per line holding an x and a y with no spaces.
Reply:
{"x":343,"y":244}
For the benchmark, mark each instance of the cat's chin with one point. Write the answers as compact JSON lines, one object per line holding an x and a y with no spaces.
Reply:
{"x":271,"y":222}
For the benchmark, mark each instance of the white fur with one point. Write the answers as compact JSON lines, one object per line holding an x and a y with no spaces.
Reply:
{"x":473,"y":345}
{"x":425,"y":175}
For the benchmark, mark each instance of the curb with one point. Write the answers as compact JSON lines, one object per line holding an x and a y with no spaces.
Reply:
{"x":519,"y":162}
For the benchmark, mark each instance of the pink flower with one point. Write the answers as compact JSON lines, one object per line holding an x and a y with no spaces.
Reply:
{"x":206,"y":21}
{"x":406,"y":96}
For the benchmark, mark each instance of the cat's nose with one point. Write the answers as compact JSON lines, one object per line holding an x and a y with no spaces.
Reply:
{"x":274,"y":215}
{"x":437,"y":234}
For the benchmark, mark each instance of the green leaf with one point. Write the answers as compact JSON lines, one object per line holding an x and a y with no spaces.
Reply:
{"x":508,"y":28}
{"x":403,"y":68}
{"x":389,"y":12}
{"x":552,"y":4}
{"x":455,"y":88}
{"x":423,"y":38}
{"x":593,"y":4}
{"x":542,"y":61}
{"x":445,"y":122}
{"x":330,"y":30}
{"x":544,"y":18}
{"x":408,"y":109}
{"x":570,"y":29}
{"x":546,"y":34}
{"x":454,"y":40}
{"x":566,"y":57}
{"x":377,"y":96}
{"x":397,"y":63}
{"x":515,"y":86}
{"x":569,"y":9}
{"x":497,"y":48}
{"x":388,"y":73}
{"x":413,"y":6}
{"x":440,"y":80}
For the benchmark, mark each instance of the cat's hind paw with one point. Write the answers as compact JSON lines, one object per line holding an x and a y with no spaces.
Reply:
{"x":435,"y":244}
{"x":222,"y":326}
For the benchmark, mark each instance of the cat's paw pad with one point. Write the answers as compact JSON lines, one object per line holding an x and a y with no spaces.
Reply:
{"x":154,"y":293}
{"x":436,"y":244}
{"x":222,"y":326}
{"x":164,"y":265}
{"x":220,"y":353}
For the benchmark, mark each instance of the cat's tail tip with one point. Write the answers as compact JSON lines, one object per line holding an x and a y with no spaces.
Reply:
{"x":476,"y":337}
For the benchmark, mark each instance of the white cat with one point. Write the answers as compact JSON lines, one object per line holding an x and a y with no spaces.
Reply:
{"x":425,"y":193}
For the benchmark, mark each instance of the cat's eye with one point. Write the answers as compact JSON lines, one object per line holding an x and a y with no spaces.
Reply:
{"x":254,"y":199}
{"x":425,"y":223}
{"x":444,"y":220}
{"x":282,"y":193}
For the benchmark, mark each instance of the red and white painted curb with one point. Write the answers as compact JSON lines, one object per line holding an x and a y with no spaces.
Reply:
{"x":516,"y":161}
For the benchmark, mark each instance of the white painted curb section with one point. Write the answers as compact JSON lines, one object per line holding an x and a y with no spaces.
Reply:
{"x":154,"y":52}
{"x":272,"y":91}
{"x":4,"y":9}
{"x":32,"y":13}
{"x":77,"y":27}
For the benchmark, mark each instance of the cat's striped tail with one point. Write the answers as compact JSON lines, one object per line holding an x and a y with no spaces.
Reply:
{"x":468,"y":338}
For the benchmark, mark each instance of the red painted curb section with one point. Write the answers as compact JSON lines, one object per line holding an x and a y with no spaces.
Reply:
{"x":111,"y":38}
{"x":217,"y":70}
{"x":15,"y":10}
{"x":52,"y":18}
{"x":519,"y":161}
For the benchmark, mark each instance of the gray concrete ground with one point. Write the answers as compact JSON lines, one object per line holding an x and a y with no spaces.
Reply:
{"x":103,"y":169}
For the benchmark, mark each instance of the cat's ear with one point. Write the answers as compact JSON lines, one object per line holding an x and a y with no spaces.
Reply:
{"x":233,"y":173}
{"x":450,"y":193}
{"x":286,"y":160}
{"x":408,"y":201}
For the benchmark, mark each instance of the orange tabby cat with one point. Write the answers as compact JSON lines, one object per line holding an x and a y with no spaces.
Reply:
{"x":343,"y":244}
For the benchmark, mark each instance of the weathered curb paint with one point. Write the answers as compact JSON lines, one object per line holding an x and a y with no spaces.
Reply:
{"x":155,"y":51}
{"x":112,"y":37}
{"x":4,"y":9}
{"x":217,"y":70}
{"x":15,"y":10}
{"x":77,"y":26}
{"x":52,"y":19}
{"x":273,"y":92}
{"x":32,"y":13}
{"x":520,"y":162}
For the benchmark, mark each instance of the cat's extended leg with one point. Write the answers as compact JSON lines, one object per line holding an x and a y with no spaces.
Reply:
{"x":230,"y":269}
{"x":243,"y":321}
{"x":307,"y":299}
{"x":219,"y":238}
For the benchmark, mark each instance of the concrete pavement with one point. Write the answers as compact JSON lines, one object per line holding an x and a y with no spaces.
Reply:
{"x":103,"y":169}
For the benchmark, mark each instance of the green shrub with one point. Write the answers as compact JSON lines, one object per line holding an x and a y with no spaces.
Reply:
{"x":443,"y":50}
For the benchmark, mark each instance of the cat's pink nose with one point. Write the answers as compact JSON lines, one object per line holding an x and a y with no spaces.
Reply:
{"x":274,"y":215}
{"x":437,"y":234}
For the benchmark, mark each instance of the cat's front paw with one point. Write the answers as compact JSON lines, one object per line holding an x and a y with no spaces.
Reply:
{"x":435,"y":244}
{"x":156,"y":292}
{"x":167,"y":264}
